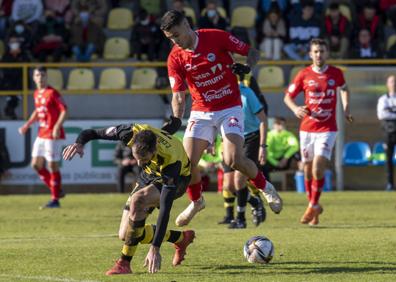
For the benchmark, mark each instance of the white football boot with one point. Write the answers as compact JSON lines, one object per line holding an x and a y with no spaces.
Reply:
{"x":272,"y":197}
{"x":187,"y":215}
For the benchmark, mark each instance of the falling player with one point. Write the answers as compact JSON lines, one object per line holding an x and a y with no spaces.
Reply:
{"x":320,"y":83}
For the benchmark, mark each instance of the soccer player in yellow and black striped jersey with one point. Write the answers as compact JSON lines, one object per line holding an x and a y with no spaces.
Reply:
{"x":164,"y":177}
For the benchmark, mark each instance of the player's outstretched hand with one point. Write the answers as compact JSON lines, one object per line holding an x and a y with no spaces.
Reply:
{"x":22,"y":130}
{"x":240,"y":69}
{"x":301,"y":111}
{"x":71,"y":150}
{"x":172,"y":125}
{"x":153,"y":260}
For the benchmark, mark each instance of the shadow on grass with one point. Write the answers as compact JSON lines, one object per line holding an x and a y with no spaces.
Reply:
{"x":304,"y":267}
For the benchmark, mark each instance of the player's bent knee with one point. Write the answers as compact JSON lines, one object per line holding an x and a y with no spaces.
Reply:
{"x":36,"y":166}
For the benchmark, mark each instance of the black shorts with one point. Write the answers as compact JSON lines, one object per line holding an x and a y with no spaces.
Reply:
{"x":250,"y":148}
{"x":145,"y":179}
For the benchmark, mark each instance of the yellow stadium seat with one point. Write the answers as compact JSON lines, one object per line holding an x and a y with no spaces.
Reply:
{"x":81,"y":79}
{"x":243,"y":16}
{"x":294,"y":72}
{"x":222,"y":12}
{"x":55,"y":78}
{"x":143,"y":78}
{"x":190,"y":13}
{"x":390,"y":42}
{"x":116,"y":48}
{"x":271,"y":76}
{"x":2,"y":48}
{"x":120,"y":18}
{"x":112,"y":78}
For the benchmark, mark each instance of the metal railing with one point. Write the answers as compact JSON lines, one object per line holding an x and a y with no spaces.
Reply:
{"x":25,"y":91}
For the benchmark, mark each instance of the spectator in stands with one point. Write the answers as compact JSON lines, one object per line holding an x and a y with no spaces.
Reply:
{"x":28,"y":11}
{"x":386,"y":112}
{"x":23,"y":33}
{"x":145,"y":36}
{"x":212,"y":17}
{"x":86,"y":36}
{"x":126,"y":163}
{"x":297,"y":6}
{"x":95,"y":10}
{"x":60,"y":10}
{"x":52,"y":36}
{"x":282,"y":148}
{"x":336,"y":31}
{"x":274,"y":29}
{"x":266,"y":6}
{"x":388,"y":8}
{"x":12,"y":77}
{"x":303,"y":27}
{"x":5,"y":12}
{"x":369,"y":19}
{"x":365,"y":47}
{"x":179,"y":5}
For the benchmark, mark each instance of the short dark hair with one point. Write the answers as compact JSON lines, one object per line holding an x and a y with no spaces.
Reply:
{"x":145,"y":142}
{"x":318,"y":41}
{"x":279,"y":120}
{"x":171,"y":19}
{"x":334,"y":6}
{"x":40,"y":69}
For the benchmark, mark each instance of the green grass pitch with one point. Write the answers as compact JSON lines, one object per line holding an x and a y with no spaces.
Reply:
{"x":356,"y":241}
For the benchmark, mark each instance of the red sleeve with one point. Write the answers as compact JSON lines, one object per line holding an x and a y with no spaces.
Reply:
{"x":296,"y":86}
{"x":176,"y":74}
{"x":58,"y":101}
{"x":231,"y":43}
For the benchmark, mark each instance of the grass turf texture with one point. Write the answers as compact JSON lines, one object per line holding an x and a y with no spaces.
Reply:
{"x":356,"y":241}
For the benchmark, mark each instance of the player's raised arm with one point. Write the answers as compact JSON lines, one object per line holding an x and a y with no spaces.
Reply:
{"x":178,"y":104}
{"x":121,"y":132}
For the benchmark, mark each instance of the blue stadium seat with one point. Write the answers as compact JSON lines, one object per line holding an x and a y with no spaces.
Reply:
{"x":356,"y":154}
{"x":378,"y":156}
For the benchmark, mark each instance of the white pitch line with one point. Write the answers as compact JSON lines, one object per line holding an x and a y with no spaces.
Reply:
{"x":43,"y":278}
{"x":22,"y":239}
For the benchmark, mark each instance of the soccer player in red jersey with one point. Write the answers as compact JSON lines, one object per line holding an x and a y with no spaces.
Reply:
{"x":50,"y":111}
{"x":320,"y":83}
{"x":202,"y":59}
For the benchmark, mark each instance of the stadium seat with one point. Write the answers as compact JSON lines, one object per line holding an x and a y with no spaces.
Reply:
{"x":391,"y":41}
{"x":116,"y":48}
{"x":243,"y":17}
{"x":356,"y":154}
{"x":55,"y":78}
{"x":120,"y":18}
{"x":189,"y":12}
{"x":378,"y":157}
{"x":81,"y":79}
{"x":270,"y":76}
{"x":112,"y":78}
{"x":2,"y":49}
{"x":345,"y":11}
{"x":143,"y":78}
{"x":294,"y":71}
{"x":151,"y":6}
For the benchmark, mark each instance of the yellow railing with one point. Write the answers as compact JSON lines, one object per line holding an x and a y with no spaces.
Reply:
{"x":26,"y":66}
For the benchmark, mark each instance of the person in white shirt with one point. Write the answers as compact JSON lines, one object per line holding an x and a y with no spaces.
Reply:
{"x":386,"y":112}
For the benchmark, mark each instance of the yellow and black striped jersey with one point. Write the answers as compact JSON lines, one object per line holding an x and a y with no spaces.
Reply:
{"x":169,"y":151}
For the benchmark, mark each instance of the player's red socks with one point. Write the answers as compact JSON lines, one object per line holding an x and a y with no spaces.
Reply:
{"x":194,"y":191}
{"x":317,"y":186}
{"x":220,"y":176}
{"x":259,"y":181}
{"x":44,"y":175}
{"x":55,"y":184}
{"x":308,"y":188}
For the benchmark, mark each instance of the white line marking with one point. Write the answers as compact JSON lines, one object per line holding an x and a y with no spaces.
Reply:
{"x":44,"y":278}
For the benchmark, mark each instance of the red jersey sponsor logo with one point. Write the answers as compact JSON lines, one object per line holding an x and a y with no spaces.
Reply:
{"x":320,"y":91}
{"x":206,"y":70}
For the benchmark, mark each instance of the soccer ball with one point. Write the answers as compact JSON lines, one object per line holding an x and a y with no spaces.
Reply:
{"x":258,"y":249}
